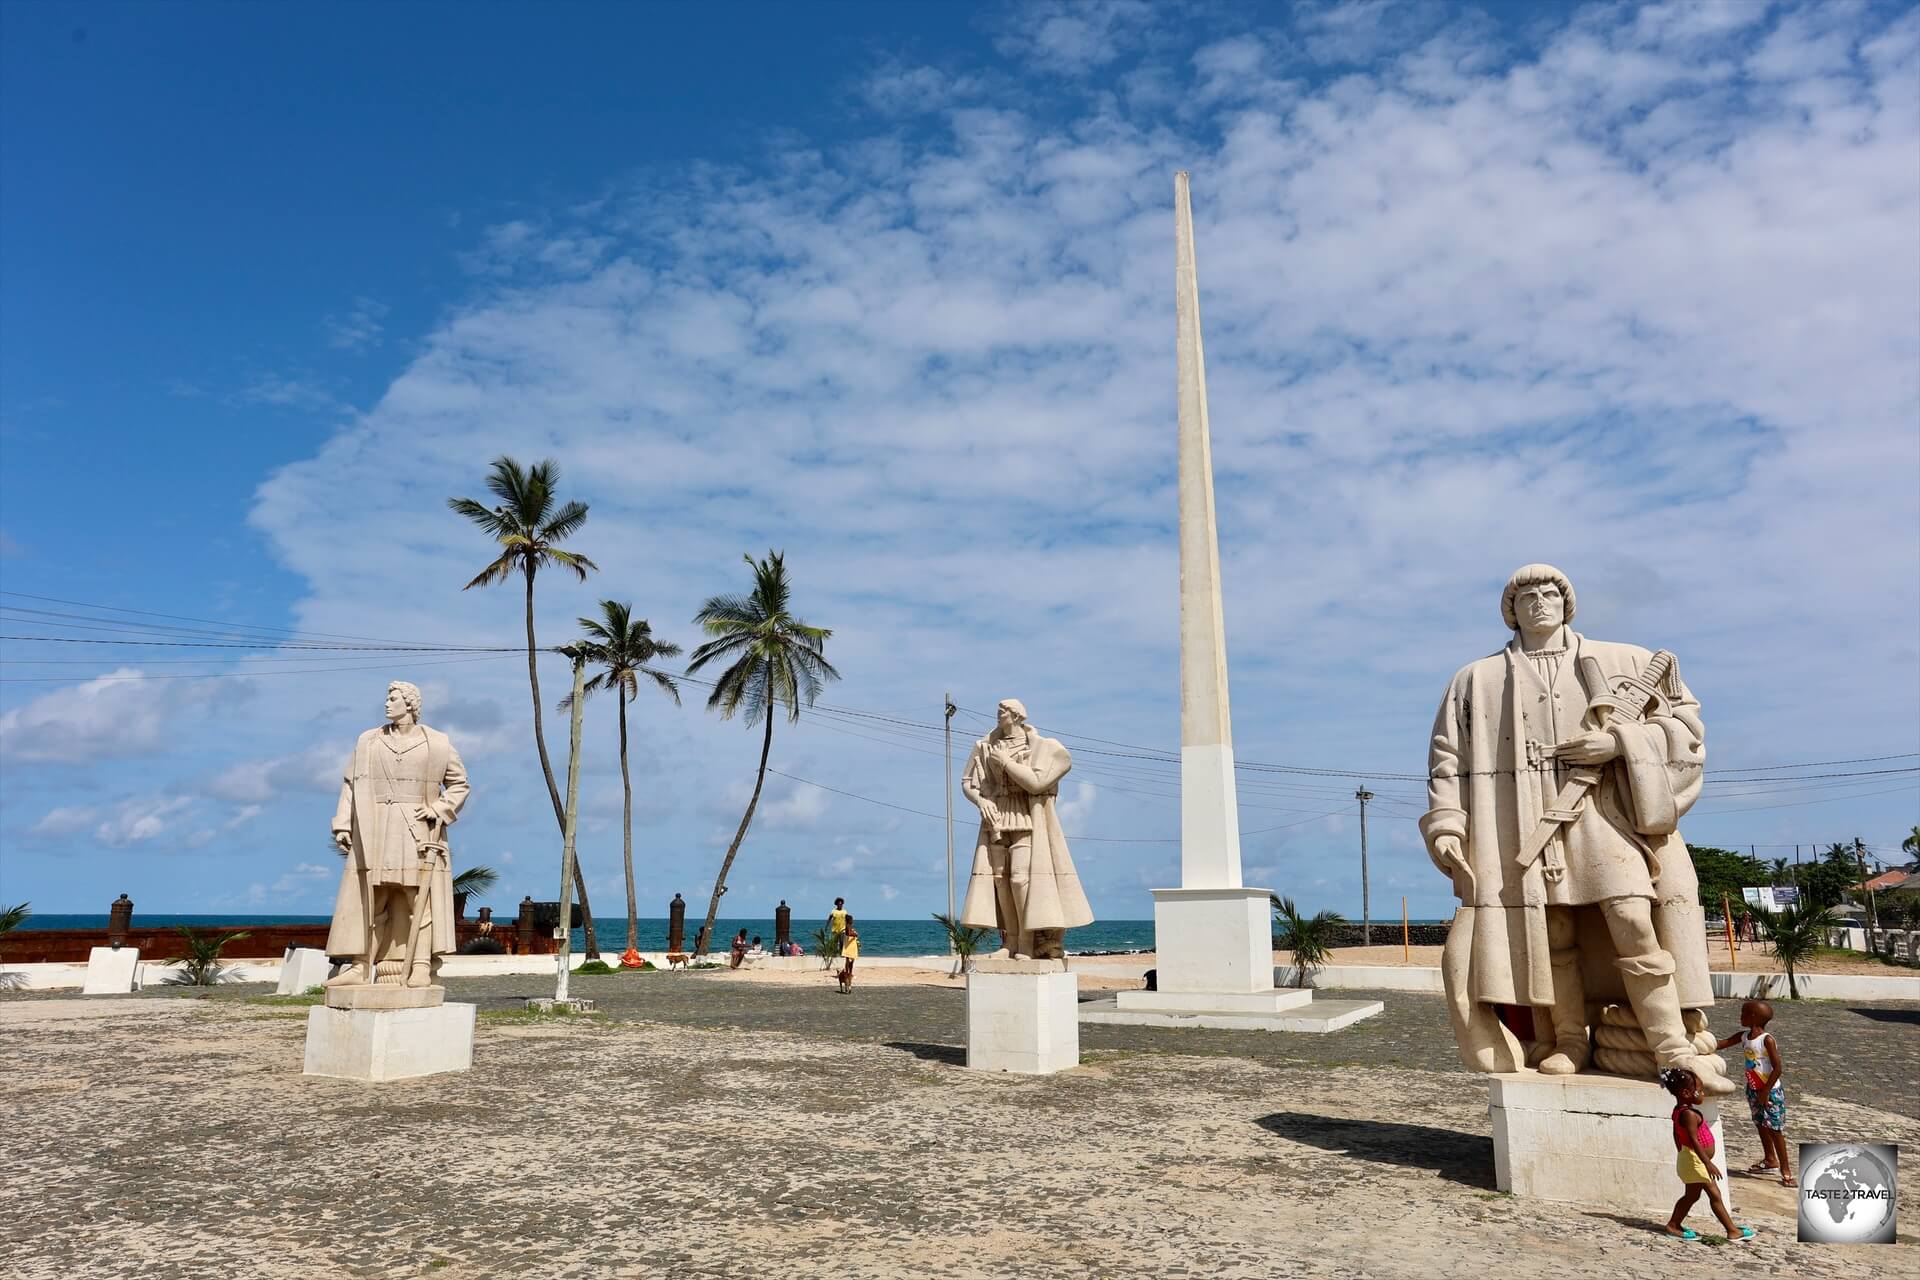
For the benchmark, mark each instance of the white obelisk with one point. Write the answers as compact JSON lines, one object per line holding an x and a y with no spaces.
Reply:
{"x":1213,"y":937}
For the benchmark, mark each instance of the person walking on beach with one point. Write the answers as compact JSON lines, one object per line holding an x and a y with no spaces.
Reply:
{"x":1693,"y":1141}
{"x":849,"y":952}
{"x":1766,"y":1095}
{"x":837,"y":918}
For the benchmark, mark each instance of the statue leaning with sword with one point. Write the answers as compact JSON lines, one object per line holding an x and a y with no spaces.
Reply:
{"x":404,"y":786}
{"x":1558,"y":771}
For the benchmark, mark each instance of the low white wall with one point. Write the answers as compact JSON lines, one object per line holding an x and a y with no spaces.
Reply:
{"x":1333,"y":977}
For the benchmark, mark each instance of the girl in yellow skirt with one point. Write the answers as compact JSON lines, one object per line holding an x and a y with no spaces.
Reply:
{"x":1693,"y":1141}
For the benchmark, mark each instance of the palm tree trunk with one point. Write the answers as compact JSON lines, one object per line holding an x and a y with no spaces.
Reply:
{"x":726,"y":864}
{"x":626,"y":820}
{"x":546,"y":766}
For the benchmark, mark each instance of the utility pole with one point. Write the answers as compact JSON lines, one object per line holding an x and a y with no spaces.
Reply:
{"x":563,"y":930}
{"x":1873,"y":916}
{"x":1366,"y":907}
{"x":949,"y":787}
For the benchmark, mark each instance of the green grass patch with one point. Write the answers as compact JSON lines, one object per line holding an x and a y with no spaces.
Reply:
{"x":596,"y":969}
{"x":536,"y":1015}
{"x":312,"y":997}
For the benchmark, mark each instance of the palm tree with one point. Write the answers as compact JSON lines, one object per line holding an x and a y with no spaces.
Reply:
{"x":623,"y":645}
{"x":1310,"y":940}
{"x":962,"y":940}
{"x":529,"y":531}
{"x":472,"y":884}
{"x":201,"y":966}
{"x":1798,"y":933}
{"x":1911,"y":845}
{"x":776,"y":660}
{"x":12,"y":917}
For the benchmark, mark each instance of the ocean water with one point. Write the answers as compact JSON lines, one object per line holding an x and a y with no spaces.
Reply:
{"x":877,"y":937}
{"x":920,"y":937}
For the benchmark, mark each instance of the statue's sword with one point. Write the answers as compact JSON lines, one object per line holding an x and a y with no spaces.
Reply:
{"x":1629,"y":699}
{"x":431,"y":851}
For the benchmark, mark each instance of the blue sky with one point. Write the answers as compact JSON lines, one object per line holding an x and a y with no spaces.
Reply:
{"x":1630,"y":289}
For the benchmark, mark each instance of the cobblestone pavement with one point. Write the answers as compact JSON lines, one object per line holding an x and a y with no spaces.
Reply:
{"x":714,"y":1128}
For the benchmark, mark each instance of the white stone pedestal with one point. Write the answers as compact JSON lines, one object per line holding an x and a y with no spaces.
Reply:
{"x":1023,"y":1022}
{"x":1212,"y":941}
{"x":389,"y":1044}
{"x":1213,"y":956}
{"x":110,"y":972}
{"x":1591,"y":1139}
{"x":303,"y":967}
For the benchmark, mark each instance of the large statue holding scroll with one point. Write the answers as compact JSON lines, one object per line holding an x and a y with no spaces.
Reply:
{"x":1559,"y":770}
{"x":1023,"y":882}
{"x":403,"y":788}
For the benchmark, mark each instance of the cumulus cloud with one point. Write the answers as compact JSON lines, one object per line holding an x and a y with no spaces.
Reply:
{"x":140,"y":819}
{"x":122,"y":713}
{"x":315,"y":770}
{"x":1632,"y":293}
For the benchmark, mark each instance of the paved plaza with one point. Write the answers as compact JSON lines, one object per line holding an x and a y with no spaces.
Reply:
{"x":712,"y":1126}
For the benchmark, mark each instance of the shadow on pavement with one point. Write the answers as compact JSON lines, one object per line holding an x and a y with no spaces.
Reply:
{"x":1911,"y":1016}
{"x":952,"y":1055}
{"x":1458,"y":1157}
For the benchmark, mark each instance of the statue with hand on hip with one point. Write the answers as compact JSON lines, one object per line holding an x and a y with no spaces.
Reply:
{"x":403,"y":788}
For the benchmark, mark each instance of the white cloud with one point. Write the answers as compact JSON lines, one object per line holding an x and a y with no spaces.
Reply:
{"x":315,"y":770}
{"x":1076,"y":35}
{"x":359,"y":328}
{"x":65,"y":820}
{"x":1636,"y":298}
{"x":280,"y":391}
{"x":122,"y":713}
{"x":139,"y":819}
{"x":1074,"y":812}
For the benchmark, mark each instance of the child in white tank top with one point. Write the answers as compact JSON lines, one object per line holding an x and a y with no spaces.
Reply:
{"x":1766,"y":1094}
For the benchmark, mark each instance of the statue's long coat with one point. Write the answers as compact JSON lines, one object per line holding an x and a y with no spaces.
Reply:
{"x":386,"y":839}
{"x":1053,"y":896}
{"x":1478,"y":790}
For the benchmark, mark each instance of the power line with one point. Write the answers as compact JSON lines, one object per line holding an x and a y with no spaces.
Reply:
{"x":82,"y":604}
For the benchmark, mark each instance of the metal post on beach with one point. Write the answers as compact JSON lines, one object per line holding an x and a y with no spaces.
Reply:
{"x":1406,"y":935}
{"x":1726,"y":915}
{"x":947,"y":779}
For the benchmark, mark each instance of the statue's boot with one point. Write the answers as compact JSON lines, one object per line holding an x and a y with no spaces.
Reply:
{"x":1656,"y":1003}
{"x":1571,"y":1049}
{"x":354,"y":975}
{"x":1542,"y":1045}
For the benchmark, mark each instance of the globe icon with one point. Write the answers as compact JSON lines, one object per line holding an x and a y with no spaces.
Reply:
{"x":1847,"y":1196}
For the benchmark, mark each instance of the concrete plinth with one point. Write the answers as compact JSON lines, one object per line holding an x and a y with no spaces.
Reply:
{"x":1313,"y":1017}
{"x":385,"y":995}
{"x":1023,"y":1022}
{"x":303,"y":967}
{"x":111,"y":971}
{"x":1591,"y":1139}
{"x":389,"y":1044}
{"x":1214,"y":941}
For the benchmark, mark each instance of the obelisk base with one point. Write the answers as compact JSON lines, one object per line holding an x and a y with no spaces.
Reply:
{"x":1213,"y":960}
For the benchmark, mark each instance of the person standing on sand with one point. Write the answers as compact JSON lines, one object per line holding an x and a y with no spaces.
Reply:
{"x":837,"y":918}
{"x":849,"y":952}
